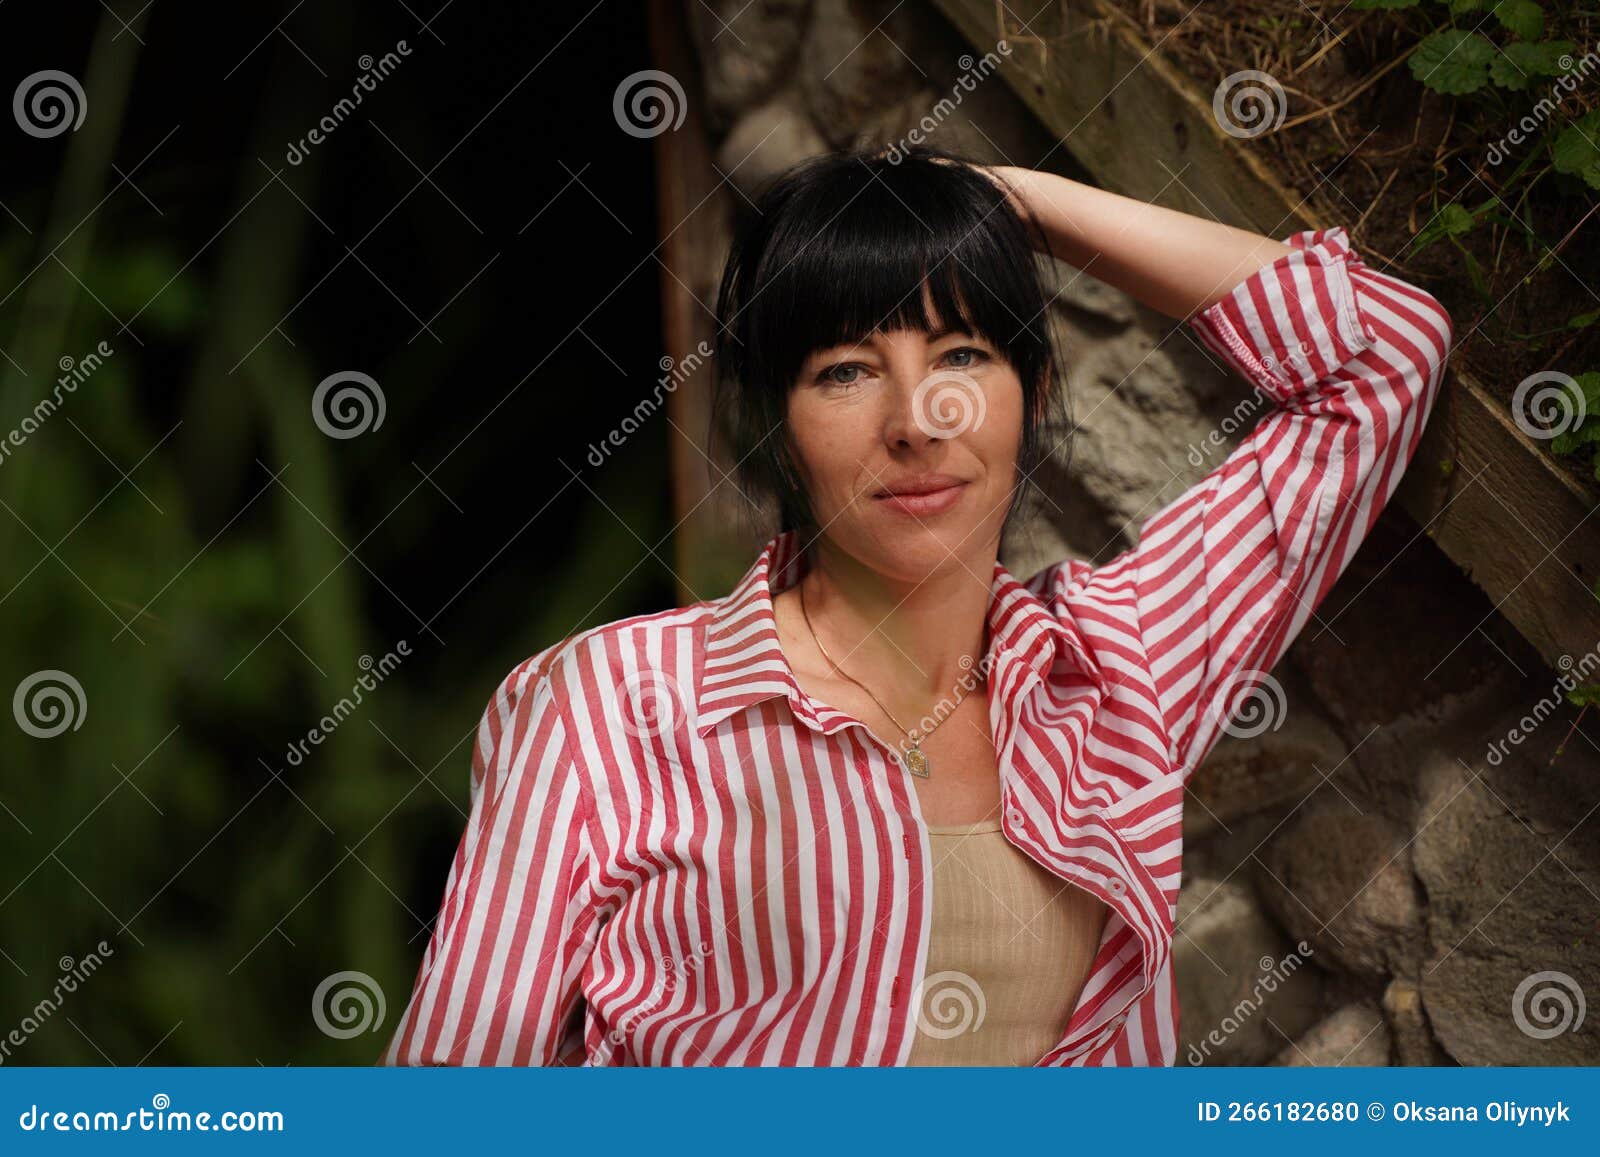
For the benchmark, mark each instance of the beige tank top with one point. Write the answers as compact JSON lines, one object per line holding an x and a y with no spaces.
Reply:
{"x":1008,"y":952}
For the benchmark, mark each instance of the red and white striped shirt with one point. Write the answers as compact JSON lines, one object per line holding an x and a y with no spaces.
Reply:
{"x":676,"y":856}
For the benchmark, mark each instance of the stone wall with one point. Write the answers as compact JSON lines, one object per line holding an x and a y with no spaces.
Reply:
{"x":1404,"y":816}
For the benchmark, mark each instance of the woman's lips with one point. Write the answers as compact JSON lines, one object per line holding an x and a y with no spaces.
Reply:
{"x":922,"y":505}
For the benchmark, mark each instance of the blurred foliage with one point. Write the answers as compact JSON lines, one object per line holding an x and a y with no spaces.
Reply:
{"x":211,"y":568}
{"x":1524,"y":64}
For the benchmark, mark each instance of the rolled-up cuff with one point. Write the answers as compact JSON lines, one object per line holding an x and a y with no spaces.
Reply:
{"x":1295,"y":322}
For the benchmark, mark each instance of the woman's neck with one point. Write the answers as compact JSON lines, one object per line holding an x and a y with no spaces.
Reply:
{"x":923,"y":639}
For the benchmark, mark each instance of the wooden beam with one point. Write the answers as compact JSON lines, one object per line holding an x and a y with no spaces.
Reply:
{"x":692,"y":214}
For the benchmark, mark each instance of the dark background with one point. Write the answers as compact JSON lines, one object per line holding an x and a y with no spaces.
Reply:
{"x":183,"y":540}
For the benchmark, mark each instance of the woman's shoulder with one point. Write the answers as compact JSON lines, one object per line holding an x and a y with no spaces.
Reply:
{"x":618,"y":650}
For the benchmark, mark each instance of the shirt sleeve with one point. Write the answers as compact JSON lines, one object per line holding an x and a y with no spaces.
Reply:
{"x":500,"y":982}
{"x":1347,"y":362}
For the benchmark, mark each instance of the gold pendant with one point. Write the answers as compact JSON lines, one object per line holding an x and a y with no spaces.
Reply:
{"x":917,"y":763}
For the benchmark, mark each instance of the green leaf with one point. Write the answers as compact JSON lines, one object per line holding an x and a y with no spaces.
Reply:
{"x":1577,"y":149}
{"x":1589,"y":383}
{"x":1584,"y":320}
{"x":1524,"y":17}
{"x":1585,"y":696}
{"x":1587,"y":431}
{"x":1451,"y":220}
{"x":1571,"y":441}
{"x":1519,"y":63}
{"x":1453,"y":61}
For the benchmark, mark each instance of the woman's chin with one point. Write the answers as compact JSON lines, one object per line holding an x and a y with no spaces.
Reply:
{"x":916,"y":552}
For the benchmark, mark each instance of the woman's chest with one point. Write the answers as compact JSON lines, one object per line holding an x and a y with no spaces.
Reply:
{"x":779,"y":875}
{"x":961,"y":780}
{"x":831,"y":814}
{"x":944,"y":759}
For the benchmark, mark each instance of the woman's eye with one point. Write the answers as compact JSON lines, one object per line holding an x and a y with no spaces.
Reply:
{"x":832,"y":375}
{"x":971,"y":352}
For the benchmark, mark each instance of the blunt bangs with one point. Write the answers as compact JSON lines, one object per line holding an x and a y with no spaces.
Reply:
{"x":850,"y":244}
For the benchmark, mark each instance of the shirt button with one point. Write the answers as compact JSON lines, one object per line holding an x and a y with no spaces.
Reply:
{"x":1305,"y":347}
{"x":1015,"y":816}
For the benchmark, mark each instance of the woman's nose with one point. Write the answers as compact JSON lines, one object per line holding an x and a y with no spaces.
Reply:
{"x":933,"y":406}
{"x":904,"y":425}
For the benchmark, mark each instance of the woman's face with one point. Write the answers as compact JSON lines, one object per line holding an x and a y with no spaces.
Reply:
{"x":907,"y":447}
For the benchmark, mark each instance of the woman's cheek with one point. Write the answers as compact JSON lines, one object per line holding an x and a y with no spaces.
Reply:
{"x":831,"y":464}
{"x":837,"y":485}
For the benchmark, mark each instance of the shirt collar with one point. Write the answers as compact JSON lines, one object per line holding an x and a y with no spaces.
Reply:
{"x":744,"y":663}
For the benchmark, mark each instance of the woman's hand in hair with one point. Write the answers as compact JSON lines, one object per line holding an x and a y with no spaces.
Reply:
{"x":1009,"y":179}
{"x":1173,"y":262}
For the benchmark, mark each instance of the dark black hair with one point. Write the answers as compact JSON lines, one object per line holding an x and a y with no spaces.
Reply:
{"x":840,"y":247}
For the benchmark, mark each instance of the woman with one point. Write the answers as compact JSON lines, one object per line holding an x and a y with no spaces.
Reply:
{"x":884,"y":803}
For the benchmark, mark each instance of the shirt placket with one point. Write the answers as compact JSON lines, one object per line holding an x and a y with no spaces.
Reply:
{"x":1116,"y":891}
{"x":1148,"y":941}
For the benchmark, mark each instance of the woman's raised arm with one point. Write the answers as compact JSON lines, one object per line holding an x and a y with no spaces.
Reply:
{"x":1173,"y":262}
{"x":1348,"y":362}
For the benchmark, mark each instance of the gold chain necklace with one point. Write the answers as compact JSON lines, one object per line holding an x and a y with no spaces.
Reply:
{"x":916,"y":759}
